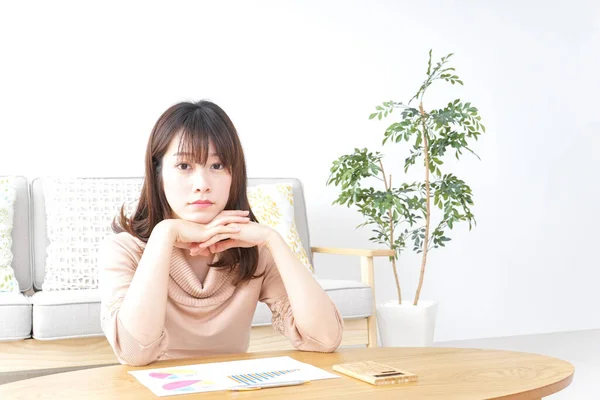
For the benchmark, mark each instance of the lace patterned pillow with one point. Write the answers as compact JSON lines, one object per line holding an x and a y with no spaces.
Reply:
{"x":8,"y":192}
{"x":79,"y":214}
{"x":273,"y":205}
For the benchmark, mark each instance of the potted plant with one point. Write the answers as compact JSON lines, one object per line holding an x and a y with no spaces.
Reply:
{"x":403,"y":214}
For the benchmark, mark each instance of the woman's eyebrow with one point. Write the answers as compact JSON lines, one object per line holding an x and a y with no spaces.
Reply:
{"x":190,"y":154}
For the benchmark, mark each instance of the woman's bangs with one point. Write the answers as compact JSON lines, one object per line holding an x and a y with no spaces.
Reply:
{"x":194,"y":147}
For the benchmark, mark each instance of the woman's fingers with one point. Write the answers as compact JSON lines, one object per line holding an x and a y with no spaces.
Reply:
{"x":189,"y":237}
{"x":216,"y":239}
{"x":232,"y":228}
{"x":222,"y":246}
{"x":213,"y":240}
{"x":217,"y":233}
{"x":242,"y":213}
{"x":230,"y":219}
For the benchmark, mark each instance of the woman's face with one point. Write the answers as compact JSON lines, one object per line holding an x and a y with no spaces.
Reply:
{"x":195,"y":192}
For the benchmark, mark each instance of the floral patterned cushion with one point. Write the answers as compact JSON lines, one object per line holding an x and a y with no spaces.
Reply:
{"x":273,"y":205}
{"x":8,"y":192}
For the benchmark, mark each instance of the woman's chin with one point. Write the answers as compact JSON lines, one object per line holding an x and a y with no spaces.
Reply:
{"x":199,"y":218}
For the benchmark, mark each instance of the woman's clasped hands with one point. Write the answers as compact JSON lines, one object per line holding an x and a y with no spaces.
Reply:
{"x":230,"y":228}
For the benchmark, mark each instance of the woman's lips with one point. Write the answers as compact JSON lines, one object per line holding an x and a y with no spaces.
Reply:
{"x":202,"y":204}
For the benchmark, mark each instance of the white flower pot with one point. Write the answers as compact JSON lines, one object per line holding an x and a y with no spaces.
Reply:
{"x":406,"y":325}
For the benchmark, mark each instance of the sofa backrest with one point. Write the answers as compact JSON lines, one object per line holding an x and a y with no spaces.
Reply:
{"x":40,"y":238}
{"x":21,"y":263}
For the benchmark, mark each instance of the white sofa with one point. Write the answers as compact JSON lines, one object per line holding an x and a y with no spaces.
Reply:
{"x":75,"y":314}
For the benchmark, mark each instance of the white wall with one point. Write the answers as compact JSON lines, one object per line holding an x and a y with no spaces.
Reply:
{"x":81,"y":86}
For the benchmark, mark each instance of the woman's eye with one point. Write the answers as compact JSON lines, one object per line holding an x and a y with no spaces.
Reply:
{"x":183,"y":166}
{"x":218,"y":166}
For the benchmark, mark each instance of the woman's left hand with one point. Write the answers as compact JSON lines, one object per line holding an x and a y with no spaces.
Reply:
{"x":251,"y":234}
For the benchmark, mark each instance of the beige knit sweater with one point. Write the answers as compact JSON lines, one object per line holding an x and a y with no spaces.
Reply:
{"x":213,"y":317}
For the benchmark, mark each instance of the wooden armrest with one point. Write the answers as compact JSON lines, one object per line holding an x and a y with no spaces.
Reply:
{"x":367,"y":276}
{"x":354,"y":252}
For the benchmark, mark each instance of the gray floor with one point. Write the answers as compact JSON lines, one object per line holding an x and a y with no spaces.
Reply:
{"x":580,"y":348}
{"x":7,"y":377}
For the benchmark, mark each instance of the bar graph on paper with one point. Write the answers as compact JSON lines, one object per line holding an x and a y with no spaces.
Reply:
{"x":260,"y":377}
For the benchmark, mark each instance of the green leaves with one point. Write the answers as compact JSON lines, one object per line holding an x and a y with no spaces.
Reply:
{"x":453,"y":126}
{"x":437,"y":73}
{"x":349,"y":170}
{"x":385,"y":210}
{"x":438,"y":239}
{"x":404,"y":129}
{"x":397,"y":215}
{"x":455,"y":198}
{"x":450,"y":77}
{"x":429,"y":63}
{"x":385,"y":109}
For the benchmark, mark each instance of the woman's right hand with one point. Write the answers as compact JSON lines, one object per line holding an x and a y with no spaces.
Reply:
{"x":187,"y":234}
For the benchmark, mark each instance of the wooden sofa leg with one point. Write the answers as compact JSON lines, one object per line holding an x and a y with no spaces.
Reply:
{"x":368,"y":276}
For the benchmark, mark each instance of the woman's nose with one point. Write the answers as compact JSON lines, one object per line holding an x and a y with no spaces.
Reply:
{"x":201,"y":182}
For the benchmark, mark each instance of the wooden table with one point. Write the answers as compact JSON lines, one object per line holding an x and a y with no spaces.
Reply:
{"x":444,"y":373}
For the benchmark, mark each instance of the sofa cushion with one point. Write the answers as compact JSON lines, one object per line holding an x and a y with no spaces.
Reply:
{"x":300,"y":216}
{"x":79,"y":214}
{"x":15,"y":316}
{"x":76,"y":313}
{"x":66,"y":314}
{"x":8,"y":194}
{"x":273,"y":205}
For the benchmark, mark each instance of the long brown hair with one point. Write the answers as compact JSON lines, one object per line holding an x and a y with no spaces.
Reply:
{"x":198,"y":124}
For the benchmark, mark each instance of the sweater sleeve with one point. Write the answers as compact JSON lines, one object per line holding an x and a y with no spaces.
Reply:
{"x":273,"y":294}
{"x":117,"y":262}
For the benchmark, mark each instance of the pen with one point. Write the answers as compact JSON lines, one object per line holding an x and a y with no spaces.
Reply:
{"x":257,"y":386}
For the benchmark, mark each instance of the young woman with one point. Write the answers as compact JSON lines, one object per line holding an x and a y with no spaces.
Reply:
{"x":182,"y":276}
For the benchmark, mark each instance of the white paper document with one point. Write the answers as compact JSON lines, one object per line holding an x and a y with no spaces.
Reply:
{"x":227,"y":375}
